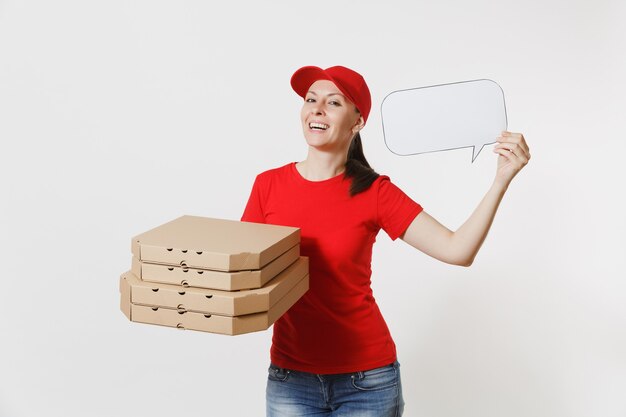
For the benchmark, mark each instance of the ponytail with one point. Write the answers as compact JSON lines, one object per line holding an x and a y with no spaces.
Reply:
{"x":358,"y":169}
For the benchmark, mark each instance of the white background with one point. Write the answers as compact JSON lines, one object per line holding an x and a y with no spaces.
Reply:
{"x":117,"y":116}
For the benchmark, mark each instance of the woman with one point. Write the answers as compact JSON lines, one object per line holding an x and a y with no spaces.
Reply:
{"x":332,"y":353}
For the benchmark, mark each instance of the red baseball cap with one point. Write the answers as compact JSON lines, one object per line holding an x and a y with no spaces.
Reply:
{"x":349,"y":82}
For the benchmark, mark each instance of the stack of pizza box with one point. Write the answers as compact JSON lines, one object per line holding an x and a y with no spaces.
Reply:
{"x":214,"y":275}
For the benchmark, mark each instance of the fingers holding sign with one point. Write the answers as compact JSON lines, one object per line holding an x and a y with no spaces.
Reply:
{"x":514,"y":155}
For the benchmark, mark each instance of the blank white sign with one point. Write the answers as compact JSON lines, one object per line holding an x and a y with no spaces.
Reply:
{"x":444,"y":117}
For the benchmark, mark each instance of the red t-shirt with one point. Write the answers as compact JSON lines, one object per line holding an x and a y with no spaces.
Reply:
{"x":336,"y":326}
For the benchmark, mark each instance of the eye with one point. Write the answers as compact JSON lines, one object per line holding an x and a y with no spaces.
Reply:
{"x":310,"y":100}
{"x":334,"y":103}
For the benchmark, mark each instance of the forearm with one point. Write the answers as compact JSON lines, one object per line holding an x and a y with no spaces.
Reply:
{"x":460,"y":248}
{"x":467,"y":240}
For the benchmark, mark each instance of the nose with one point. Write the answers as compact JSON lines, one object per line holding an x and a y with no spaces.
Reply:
{"x":317,"y":108}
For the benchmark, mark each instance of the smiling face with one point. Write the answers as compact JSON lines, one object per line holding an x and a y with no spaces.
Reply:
{"x":329,"y":119}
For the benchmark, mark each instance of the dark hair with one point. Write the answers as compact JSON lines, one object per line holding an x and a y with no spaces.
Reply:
{"x":358,"y":168}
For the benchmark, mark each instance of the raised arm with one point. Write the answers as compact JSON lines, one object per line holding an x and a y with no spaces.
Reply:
{"x":460,"y":247}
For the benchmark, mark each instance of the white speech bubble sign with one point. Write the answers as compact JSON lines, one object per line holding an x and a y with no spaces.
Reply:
{"x":444,"y":117}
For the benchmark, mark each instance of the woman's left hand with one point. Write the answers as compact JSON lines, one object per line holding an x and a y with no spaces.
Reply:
{"x":514,"y":155}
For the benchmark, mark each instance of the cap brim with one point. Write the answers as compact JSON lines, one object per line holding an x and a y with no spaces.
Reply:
{"x":302,"y":79}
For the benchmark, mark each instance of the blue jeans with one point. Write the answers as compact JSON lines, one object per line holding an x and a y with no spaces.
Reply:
{"x":373,"y":393}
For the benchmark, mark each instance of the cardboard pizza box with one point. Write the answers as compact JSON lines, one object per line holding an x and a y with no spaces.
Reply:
{"x":228,"y":303}
{"x":216,"y":244}
{"x":207,"y":278}
{"x":212,"y":323}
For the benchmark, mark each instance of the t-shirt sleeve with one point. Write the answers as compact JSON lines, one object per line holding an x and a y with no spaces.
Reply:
{"x":254,"y":209}
{"x":396,"y":210}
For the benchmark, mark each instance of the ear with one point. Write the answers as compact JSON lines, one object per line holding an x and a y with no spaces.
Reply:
{"x":358,"y":125}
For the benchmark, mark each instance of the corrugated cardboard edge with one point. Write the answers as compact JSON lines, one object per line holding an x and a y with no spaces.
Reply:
{"x":243,"y":324}
{"x":277,"y":311}
{"x":136,"y":268}
{"x":218,"y":280}
{"x":125,"y":297}
{"x":135,"y":247}
{"x":225,"y":303}
{"x":220,"y":261}
{"x":246,"y":261}
{"x":277,"y":265}
{"x":276,"y":296}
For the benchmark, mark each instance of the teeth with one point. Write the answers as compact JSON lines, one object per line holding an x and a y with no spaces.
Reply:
{"x":314,"y":125}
